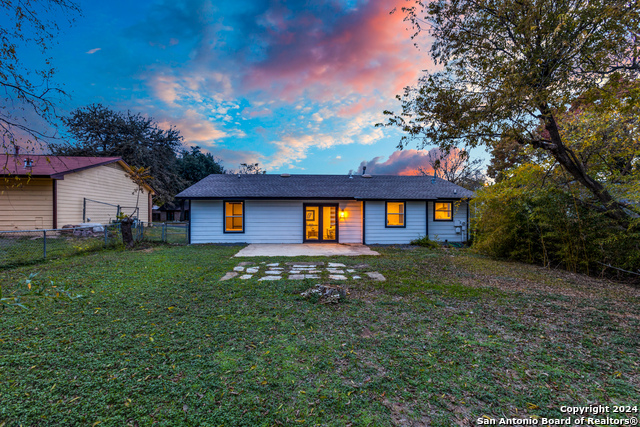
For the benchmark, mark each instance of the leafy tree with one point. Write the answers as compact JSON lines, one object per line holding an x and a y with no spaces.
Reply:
{"x":100,"y":131}
{"x":141,"y":177}
{"x":508,"y":67}
{"x":195,"y":165}
{"x":539,"y":213}
{"x":28,"y":92}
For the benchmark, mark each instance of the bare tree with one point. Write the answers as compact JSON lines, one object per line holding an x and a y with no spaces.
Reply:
{"x":28,"y":94}
{"x":456,"y":167}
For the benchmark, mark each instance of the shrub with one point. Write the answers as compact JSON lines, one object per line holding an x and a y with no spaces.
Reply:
{"x":525,"y":219}
{"x":425,"y":242}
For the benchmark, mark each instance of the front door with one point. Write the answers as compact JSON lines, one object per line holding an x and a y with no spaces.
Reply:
{"x":320,"y":223}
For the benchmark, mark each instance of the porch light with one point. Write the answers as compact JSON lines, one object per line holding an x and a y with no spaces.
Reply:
{"x":343,"y":214}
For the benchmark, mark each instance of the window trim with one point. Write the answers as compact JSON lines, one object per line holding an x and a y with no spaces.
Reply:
{"x":453,"y":214}
{"x":224,"y":216}
{"x":404,"y":216}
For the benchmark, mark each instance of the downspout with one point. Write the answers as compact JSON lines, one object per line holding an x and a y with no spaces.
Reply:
{"x":189,"y":222}
{"x":364,"y":222}
{"x":468,"y":224}
{"x":55,"y":204}
{"x":426,"y":211}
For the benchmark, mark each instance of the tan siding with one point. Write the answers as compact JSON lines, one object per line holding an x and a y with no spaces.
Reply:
{"x":26,"y":204}
{"x":108,"y":184}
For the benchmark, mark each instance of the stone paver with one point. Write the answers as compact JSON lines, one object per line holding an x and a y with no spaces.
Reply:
{"x":269,"y":278}
{"x":228,"y":276}
{"x":376,"y":276}
{"x":299,"y":271}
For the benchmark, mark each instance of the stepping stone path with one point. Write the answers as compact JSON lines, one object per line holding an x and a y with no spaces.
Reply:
{"x":300,"y":271}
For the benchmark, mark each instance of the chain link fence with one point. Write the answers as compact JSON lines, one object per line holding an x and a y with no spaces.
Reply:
{"x":28,"y":246}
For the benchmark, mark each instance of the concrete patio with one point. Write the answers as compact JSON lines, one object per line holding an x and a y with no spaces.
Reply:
{"x":305,"y":249}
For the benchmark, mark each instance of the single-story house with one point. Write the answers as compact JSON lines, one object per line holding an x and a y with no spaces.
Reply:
{"x":45,"y":192}
{"x":368,"y":209}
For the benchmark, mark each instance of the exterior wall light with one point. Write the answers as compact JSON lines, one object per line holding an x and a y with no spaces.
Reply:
{"x":343,"y":214}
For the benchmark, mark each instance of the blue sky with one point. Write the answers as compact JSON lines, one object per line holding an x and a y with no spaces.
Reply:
{"x":296,"y":86}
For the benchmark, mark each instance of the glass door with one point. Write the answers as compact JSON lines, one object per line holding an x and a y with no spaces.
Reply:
{"x":312,"y":223}
{"x":320,"y":223}
{"x":329,"y":223}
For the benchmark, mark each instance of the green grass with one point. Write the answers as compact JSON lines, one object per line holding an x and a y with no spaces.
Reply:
{"x":158,"y":340}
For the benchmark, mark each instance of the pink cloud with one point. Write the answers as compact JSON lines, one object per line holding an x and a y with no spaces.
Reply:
{"x":194,"y":128}
{"x":357,"y":107}
{"x":368,"y":51}
{"x":406,"y":162}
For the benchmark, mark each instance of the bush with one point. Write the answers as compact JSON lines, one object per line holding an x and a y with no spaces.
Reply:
{"x":425,"y":242}
{"x":522,"y":220}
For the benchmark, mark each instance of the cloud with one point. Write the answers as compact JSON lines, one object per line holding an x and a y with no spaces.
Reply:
{"x":331,"y":51}
{"x":406,"y":162}
{"x":92,"y":51}
{"x":195,"y":86}
{"x":195,"y":128}
{"x":231,"y":159}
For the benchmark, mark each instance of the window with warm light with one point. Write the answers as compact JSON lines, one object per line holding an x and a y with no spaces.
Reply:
{"x":443,"y":211}
{"x":395,"y":213}
{"x":234,"y":217}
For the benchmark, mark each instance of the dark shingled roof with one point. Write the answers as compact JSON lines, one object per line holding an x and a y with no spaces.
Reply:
{"x":381,"y":187}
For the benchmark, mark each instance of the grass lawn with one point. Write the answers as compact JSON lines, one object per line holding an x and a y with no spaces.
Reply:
{"x":449,"y":337}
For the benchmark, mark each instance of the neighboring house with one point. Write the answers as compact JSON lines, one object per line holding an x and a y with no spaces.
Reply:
{"x":43,"y":192}
{"x":379,"y":209}
{"x":171,"y":212}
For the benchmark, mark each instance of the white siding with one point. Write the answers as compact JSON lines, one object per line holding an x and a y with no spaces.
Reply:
{"x":377,"y":233}
{"x":350,"y":228}
{"x":267,"y":221}
{"x":445,"y":230}
{"x":26,"y":204}
{"x":109,"y":184}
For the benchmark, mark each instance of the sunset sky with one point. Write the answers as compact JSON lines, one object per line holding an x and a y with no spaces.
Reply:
{"x":296,"y":86}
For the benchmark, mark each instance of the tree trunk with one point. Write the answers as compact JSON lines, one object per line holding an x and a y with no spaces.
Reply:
{"x":574,"y":166}
{"x":127,"y":234}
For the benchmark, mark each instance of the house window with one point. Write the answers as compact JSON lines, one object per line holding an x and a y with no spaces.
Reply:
{"x":395,"y":213}
{"x":234,"y":217}
{"x":443,"y":211}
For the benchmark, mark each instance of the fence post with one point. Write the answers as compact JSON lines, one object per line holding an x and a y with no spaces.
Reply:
{"x":164,"y":232}
{"x":44,"y":233}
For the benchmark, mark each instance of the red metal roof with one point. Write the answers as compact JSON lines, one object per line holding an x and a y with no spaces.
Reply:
{"x":50,"y":166}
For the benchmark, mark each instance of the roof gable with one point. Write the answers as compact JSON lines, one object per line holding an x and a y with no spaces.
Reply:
{"x":52,"y":166}
{"x":56,"y":167}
